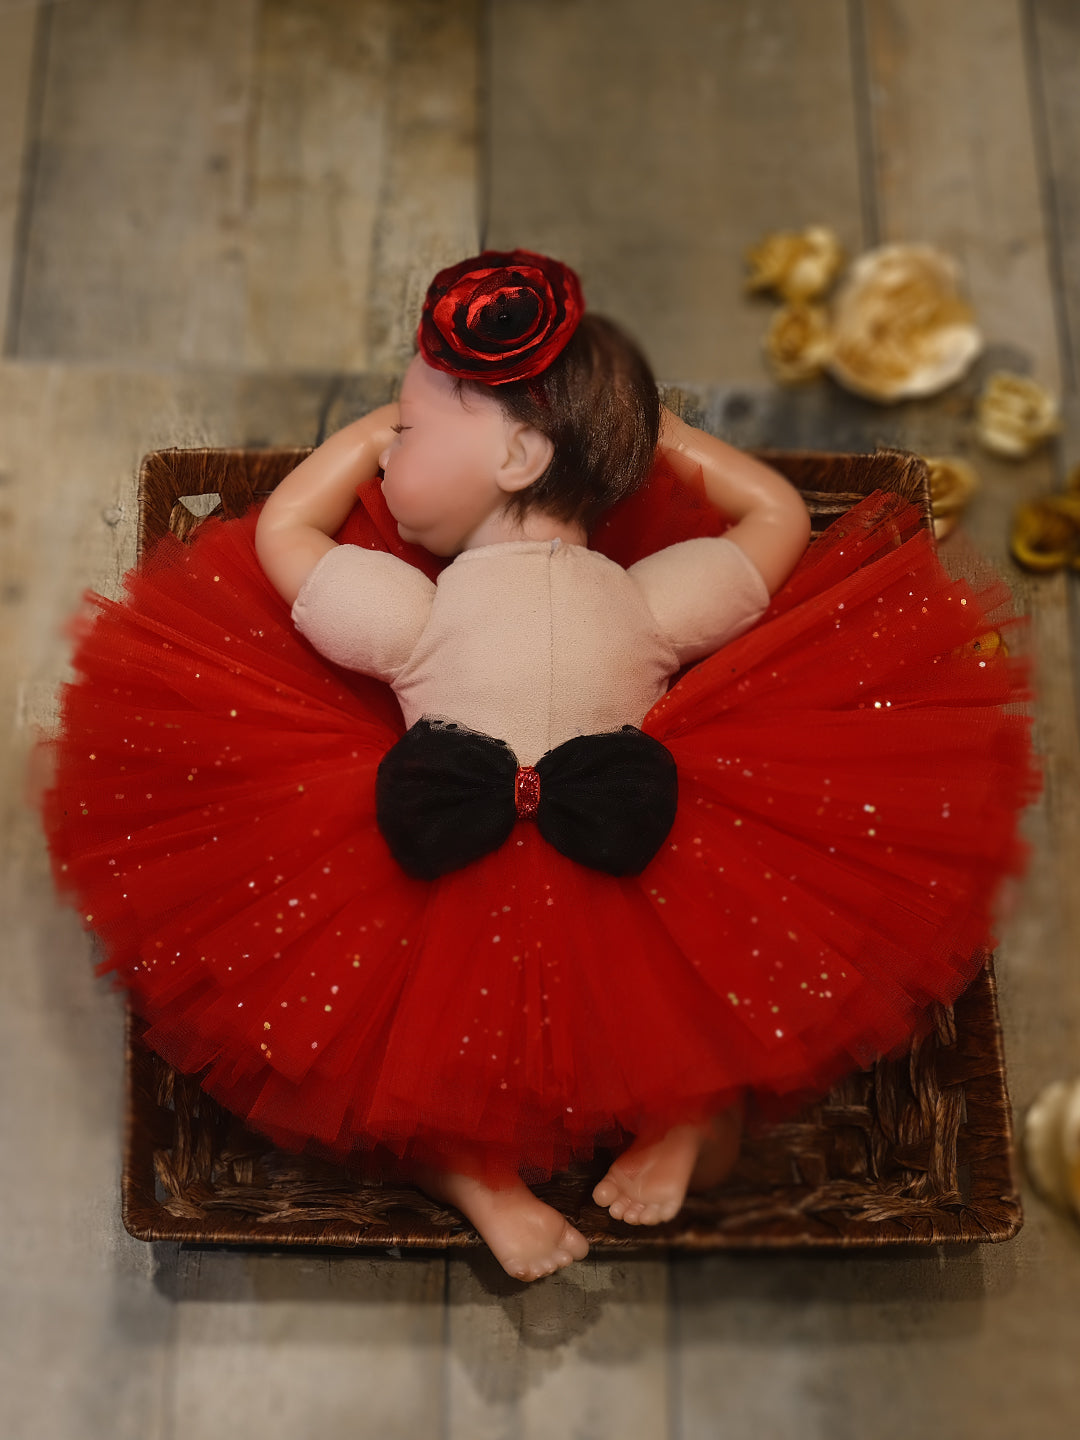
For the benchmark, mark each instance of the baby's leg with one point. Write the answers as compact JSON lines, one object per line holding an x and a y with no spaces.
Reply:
{"x":527,"y":1237}
{"x":647,"y":1184}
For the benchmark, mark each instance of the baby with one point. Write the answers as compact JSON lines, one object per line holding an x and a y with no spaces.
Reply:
{"x":503,"y":458}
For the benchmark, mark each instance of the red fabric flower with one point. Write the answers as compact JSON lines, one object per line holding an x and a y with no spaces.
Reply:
{"x":499,"y":316}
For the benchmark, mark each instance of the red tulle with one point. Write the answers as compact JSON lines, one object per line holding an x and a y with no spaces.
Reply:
{"x":851,"y":773}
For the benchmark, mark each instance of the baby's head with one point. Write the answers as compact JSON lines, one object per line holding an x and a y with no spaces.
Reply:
{"x":511,"y":327}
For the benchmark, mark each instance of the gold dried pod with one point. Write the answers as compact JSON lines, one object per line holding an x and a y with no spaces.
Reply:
{"x":1014,"y":415}
{"x":1052,"y":1144}
{"x":797,"y":265}
{"x":900,"y":328}
{"x":952,"y":483}
{"x":985,"y":646}
{"x":798,"y":342}
{"x":1046,"y":533}
{"x":992,"y":643}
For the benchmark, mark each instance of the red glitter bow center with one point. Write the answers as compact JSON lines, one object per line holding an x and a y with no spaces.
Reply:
{"x":526,"y":792}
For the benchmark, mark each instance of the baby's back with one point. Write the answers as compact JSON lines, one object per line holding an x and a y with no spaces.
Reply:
{"x":534,"y":642}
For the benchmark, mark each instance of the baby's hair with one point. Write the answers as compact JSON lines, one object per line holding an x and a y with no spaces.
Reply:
{"x":597,"y":403}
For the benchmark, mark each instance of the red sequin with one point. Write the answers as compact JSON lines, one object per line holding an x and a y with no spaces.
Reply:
{"x":526,"y":792}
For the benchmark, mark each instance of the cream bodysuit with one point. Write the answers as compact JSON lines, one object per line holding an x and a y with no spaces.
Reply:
{"x":531,"y":642}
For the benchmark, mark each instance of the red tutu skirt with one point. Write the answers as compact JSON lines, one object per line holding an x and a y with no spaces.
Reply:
{"x":851,"y":773}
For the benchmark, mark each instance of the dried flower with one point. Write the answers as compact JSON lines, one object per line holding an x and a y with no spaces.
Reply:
{"x":797,"y":265}
{"x":952,"y":484}
{"x":1052,"y":1144}
{"x":798,"y":342}
{"x":1014,"y":415}
{"x":1046,"y":533}
{"x":900,"y":328}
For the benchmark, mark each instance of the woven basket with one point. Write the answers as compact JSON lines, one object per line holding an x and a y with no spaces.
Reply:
{"x":915,"y":1151}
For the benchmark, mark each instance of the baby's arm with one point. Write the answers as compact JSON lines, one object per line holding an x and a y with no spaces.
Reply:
{"x":312,"y":503}
{"x":772,"y":525}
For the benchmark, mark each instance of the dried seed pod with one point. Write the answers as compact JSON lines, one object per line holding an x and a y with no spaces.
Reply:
{"x":1052,"y":1144}
{"x":796,"y":265}
{"x":900,"y":328}
{"x":1014,"y":415}
{"x":952,"y":483}
{"x":798,"y":342}
{"x":991,"y":643}
{"x":1046,"y":533}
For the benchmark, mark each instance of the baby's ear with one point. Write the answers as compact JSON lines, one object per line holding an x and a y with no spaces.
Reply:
{"x":528,"y":454}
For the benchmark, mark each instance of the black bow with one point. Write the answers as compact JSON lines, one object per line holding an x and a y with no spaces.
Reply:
{"x":445,"y":795}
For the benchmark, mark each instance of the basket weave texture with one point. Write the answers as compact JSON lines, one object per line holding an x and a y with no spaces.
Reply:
{"x":915,"y":1151}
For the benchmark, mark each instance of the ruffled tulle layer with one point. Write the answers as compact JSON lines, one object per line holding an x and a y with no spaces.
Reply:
{"x":850,"y":774}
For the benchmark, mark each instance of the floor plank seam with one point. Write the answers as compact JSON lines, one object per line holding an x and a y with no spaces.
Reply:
{"x":445,"y":1378}
{"x":865,"y":130}
{"x":35,"y":109}
{"x":484,"y":90}
{"x":1053,"y":222}
{"x":673,"y":1344}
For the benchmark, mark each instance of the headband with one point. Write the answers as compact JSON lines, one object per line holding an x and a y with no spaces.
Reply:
{"x":499,"y":316}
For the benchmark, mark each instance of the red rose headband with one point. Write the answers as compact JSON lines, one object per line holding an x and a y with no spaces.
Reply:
{"x":500,"y":316}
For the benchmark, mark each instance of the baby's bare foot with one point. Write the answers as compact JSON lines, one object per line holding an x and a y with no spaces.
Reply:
{"x":647,"y":1184}
{"x":528,"y":1238}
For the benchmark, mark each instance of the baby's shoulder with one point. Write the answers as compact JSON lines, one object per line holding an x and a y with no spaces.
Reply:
{"x":702,"y":592}
{"x":364,"y":609}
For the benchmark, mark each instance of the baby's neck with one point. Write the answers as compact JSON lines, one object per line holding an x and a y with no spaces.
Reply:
{"x":533,"y":525}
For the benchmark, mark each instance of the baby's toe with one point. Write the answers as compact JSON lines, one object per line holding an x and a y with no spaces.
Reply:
{"x":605,"y":1192}
{"x":573,"y":1243}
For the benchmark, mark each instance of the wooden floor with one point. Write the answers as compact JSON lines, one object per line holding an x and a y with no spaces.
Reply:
{"x":215,"y":214}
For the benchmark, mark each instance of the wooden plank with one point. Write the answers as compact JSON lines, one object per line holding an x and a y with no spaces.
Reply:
{"x":248,"y":184}
{"x":956,"y":157}
{"x":18,"y":28}
{"x":80,"y":1303}
{"x":323,"y":79}
{"x":135,"y":240}
{"x":281,"y":1346}
{"x":884,"y":1346}
{"x":649,"y":146}
{"x":77,"y":1287}
{"x":582,"y":1353}
{"x":1054,"y":58}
